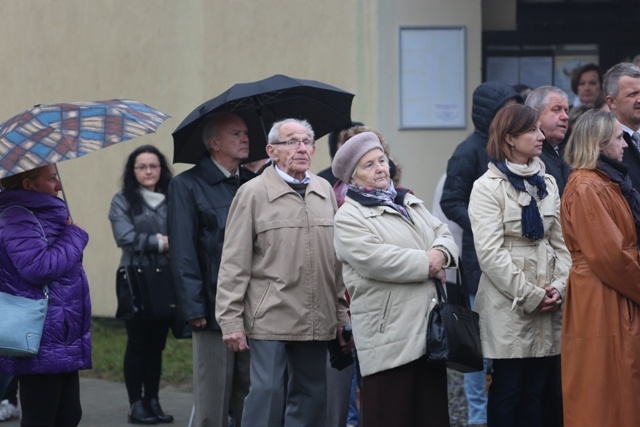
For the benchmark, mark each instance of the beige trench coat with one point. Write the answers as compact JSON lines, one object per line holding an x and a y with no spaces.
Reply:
{"x":515,"y":270}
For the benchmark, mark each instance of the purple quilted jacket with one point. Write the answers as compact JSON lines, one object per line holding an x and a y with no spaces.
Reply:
{"x":28,"y":262}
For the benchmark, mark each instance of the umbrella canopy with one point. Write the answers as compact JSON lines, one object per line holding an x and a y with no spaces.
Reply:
{"x":48,"y":134}
{"x":262,"y":103}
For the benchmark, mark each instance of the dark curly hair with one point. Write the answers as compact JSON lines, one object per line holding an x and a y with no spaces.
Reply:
{"x":130,"y":184}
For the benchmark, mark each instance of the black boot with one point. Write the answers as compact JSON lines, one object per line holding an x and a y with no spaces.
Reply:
{"x":155,"y":409}
{"x":139,"y":414}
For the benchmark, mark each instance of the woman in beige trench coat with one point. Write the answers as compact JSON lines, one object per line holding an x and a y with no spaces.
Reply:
{"x":514,"y":211}
{"x":601,"y":327}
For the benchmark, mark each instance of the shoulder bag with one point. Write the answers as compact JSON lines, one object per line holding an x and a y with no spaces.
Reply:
{"x":145,"y":291}
{"x":453,"y":334}
{"x":22,"y":324}
{"x":22,"y":318}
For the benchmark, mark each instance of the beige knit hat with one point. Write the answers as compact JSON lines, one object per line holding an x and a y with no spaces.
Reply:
{"x":350,"y":153}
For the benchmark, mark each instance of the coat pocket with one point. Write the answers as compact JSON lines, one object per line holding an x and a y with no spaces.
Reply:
{"x":520,"y":263}
{"x":384,"y":314}
{"x":261,"y":304}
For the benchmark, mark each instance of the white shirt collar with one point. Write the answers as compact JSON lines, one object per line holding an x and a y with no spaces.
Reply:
{"x":226,"y":173}
{"x":627,"y":129}
{"x":291,"y":179}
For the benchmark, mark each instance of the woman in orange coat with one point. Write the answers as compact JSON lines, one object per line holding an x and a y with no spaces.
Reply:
{"x":600,"y":218}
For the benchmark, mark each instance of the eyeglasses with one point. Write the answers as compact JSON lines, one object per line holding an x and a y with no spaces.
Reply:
{"x":294,"y":143}
{"x":151,"y":167}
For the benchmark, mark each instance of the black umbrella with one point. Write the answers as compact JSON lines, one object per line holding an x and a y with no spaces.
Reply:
{"x":262,"y":103}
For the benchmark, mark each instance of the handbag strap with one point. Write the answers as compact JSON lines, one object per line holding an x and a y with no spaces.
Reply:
{"x":45,"y":289}
{"x":34,"y":216}
{"x":143,"y":251}
{"x":462,"y":284}
{"x":442,"y":295}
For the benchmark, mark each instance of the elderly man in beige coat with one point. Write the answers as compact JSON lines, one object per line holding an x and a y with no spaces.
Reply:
{"x":280,"y":288}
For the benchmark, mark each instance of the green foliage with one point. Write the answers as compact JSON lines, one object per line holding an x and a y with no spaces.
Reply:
{"x":109,"y":340}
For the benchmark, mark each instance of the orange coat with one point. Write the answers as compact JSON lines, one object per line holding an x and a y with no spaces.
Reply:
{"x":601,"y":320}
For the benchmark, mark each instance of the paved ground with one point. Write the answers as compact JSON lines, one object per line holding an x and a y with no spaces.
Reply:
{"x":104,"y":404}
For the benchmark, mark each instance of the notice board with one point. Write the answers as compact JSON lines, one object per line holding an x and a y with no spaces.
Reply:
{"x":432,"y":78}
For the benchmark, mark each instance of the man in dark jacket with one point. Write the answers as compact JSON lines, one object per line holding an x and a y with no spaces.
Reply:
{"x":199,"y":201}
{"x":553,"y":105}
{"x":622,"y":90}
{"x":468,"y":162}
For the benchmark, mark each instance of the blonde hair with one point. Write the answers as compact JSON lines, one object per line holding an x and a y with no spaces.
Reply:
{"x":592,"y":133}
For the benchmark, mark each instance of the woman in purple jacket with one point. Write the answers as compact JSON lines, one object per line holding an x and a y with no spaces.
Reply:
{"x":29,"y":260}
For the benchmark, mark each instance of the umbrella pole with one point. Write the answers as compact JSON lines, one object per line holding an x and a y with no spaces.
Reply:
{"x":264,"y":129}
{"x":64,"y":196}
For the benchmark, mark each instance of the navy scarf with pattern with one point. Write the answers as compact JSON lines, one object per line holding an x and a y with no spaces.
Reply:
{"x":532,"y":225}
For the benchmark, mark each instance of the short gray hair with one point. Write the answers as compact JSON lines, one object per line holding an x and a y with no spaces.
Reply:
{"x":210,"y":130}
{"x":539,"y":97}
{"x":615,"y":73}
{"x":274,"y":133}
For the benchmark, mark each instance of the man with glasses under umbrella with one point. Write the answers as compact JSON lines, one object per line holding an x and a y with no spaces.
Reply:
{"x":199,"y":201}
{"x":280,"y":288}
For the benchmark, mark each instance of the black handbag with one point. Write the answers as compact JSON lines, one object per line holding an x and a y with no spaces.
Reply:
{"x":145,"y":291}
{"x":129,"y":302}
{"x":337,"y":358}
{"x":155,"y":287}
{"x":453,"y":334}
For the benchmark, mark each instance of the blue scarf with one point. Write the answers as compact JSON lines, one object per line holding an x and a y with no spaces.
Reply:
{"x":532,"y":225}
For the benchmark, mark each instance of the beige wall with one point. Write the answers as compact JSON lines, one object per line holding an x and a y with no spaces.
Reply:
{"x":423,"y":154}
{"x":173,"y":55}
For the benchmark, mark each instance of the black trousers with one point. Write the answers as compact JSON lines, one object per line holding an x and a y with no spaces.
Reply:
{"x":146,"y":339}
{"x":50,"y":400}
{"x":516,"y":391}
{"x":11,"y":391}
{"x":552,"y":397}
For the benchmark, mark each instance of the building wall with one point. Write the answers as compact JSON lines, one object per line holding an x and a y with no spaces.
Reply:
{"x":499,"y":15}
{"x":174,"y":55}
{"x":423,"y":153}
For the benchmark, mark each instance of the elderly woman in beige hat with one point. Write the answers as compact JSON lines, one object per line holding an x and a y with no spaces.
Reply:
{"x":391,"y":248}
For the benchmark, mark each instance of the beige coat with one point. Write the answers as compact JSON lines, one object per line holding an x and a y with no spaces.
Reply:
{"x":386,"y":271}
{"x":515,"y":270}
{"x":279,"y":278}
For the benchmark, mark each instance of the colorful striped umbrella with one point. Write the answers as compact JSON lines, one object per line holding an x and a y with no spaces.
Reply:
{"x":48,"y":134}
